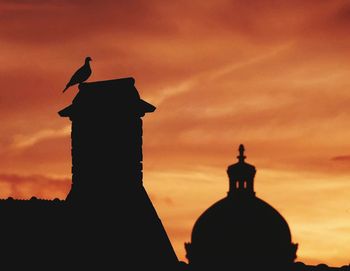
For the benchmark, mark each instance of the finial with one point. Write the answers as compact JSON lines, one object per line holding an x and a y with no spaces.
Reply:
{"x":241,"y":156}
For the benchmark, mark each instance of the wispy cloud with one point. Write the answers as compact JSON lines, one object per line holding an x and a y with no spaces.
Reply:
{"x":273,"y":75}
{"x":23,"y":141}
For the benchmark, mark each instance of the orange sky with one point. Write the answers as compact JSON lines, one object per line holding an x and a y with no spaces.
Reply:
{"x":274,"y":75}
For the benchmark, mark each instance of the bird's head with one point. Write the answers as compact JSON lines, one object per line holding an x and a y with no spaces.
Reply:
{"x":88,"y":59}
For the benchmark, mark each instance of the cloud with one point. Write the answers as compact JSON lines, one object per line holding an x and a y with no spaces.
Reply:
{"x":50,"y":155}
{"x":341,"y":158}
{"x":161,"y":200}
{"x":273,"y":75}
{"x":73,"y":21}
{"x":24,"y":141}
{"x":40,"y":186}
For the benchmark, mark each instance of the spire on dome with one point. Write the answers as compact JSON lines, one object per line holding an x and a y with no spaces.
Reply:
{"x":241,"y":156}
{"x":241,"y":175}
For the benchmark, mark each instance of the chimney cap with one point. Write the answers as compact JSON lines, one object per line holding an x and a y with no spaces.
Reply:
{"x":117,"y":95}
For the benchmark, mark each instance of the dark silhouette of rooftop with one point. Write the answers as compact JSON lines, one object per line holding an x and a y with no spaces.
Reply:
{"x":241,"y":231}
{"x":107,"y":221}
{"x":107,"y":218}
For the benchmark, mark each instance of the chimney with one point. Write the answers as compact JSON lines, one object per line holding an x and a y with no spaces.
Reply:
{"x":106,"y":140}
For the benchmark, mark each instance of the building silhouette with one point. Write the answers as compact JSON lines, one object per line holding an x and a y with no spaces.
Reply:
{"x":107,"y":176}
{"x":242,"y":232}
{"x":107,"y":221}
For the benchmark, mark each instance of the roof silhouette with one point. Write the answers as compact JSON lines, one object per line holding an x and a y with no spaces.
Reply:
{"x":108,"y":221}
{"x":107,"y":218}
{"x":241,"y":231}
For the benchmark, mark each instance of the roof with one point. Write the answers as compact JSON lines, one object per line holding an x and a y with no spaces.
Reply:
{"x":241,"y":232}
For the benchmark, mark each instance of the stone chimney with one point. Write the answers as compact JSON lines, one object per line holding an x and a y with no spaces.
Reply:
{"x":113,"y":218}
{"x":106,"y":139}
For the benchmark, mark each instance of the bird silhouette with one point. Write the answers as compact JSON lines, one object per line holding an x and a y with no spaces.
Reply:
{"x":81,"y":75}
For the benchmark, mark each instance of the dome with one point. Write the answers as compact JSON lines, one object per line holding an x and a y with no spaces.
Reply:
{"x":241,"y":230}
{"x":229,"y":218}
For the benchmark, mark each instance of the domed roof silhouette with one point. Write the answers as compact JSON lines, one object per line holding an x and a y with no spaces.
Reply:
{"x":241,"y":230}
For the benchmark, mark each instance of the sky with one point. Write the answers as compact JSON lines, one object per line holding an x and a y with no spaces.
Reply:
{"x":273,"y":75}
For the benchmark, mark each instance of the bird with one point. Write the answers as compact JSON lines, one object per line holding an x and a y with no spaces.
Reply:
{"x":81,"y":75}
